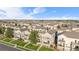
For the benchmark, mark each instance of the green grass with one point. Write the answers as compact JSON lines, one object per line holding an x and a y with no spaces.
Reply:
{"x":45,"y":49}
{"x":10,"y":44}
{"x":7,"y":39}
{"x":31,"y":46}
{"x":23,"y":48}
{"x":19,"y":42}
{"x":6,"y":43}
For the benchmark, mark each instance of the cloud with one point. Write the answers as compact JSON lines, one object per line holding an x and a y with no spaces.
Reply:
{"x":16,"y":13}
{"x":35,"y":11}
{"x":38,"y":10}
{"x":63,"y":18}
{"x":10,"y":13}
{"x":2,"y":13}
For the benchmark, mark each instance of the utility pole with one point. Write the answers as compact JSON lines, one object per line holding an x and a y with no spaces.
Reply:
{"x":56,"y":39}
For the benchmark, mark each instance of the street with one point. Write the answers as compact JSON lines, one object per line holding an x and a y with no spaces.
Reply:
{"x":7,"y":48}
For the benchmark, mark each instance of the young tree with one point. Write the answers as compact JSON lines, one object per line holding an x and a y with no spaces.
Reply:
{"x":15,"y":24}
{"x":2,"y":30}
{"x":9,"y":33}
{"x":33,"y":37}
{"x":58,"y":27}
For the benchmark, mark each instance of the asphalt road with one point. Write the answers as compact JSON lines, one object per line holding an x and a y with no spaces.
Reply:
{"x":7,"y":48}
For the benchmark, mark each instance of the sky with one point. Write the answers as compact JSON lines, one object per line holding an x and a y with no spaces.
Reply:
{"x":46,"y":13}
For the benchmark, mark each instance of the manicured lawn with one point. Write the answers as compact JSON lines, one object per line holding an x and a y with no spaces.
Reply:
{"x":11,"y":44}
{"x":6,"y":43}
{"x":7,"y":39}
{"x":22,"y":43}
{"x":45,"y":49}
{"x":23,"y":48}
{"x":19,"y":42}
{"x":31,"y":46}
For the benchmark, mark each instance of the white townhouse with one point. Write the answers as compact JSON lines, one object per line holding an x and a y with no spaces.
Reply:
{"x":49,"y":27}
{"x":21,"y":33}
{"x":39,"y":28}
{"x":46,"y":39}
